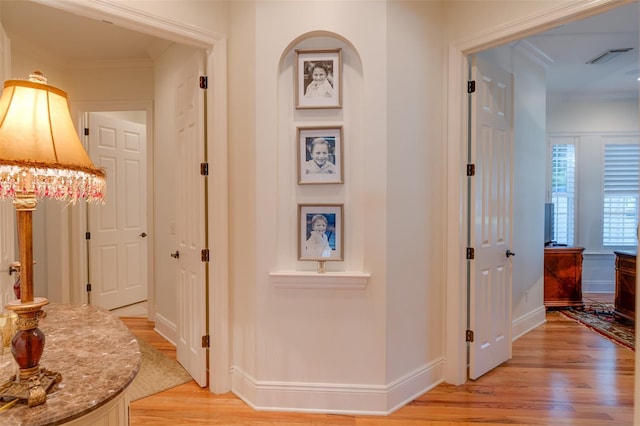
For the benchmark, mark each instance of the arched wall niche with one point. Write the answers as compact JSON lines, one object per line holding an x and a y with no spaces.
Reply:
{"x":349,"y":117}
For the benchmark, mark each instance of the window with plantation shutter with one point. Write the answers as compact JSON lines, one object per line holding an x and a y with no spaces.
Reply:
{"x":620,"y":195}
{"x":563,"y":191}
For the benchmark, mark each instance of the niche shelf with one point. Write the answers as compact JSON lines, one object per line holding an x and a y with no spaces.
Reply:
{"x":315,"y":280}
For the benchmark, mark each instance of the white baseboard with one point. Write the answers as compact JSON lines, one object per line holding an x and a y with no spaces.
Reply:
{"x":527,"y":322}
{"x":593,"y":286}
{"x":407,"y":388}
{"x":166,"y":329}
{"x":335,"y":398}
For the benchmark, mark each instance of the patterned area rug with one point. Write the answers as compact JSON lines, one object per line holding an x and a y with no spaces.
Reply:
{"x":157,"y":373}
{"x":599,"y":317}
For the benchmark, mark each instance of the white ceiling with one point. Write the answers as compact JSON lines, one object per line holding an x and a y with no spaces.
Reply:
{"x":74,"y":38}
{"x":77,"y":39}
{"x":570,"y":46}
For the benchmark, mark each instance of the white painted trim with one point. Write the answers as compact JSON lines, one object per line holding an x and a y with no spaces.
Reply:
{"x":527,"y":322}
{"x":534,"y":54}
{"x":110,"y":64}
{"x":456,"y":126}
{"x":166,"y":329}
{"x":607,"y":134}
{"x":525,"y":27}
{"x":405,"y":389}
{"x":591,"y":96}
{"x":598,"y":286}
{"x":219,"y":300}
{"x":314,"y":280}
{"x":123,"y":15}
{"x":593,"y":255}
{"x":456,"y":291}
{"x":336,"y":398}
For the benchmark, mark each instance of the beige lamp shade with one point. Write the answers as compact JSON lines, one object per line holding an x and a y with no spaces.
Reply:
{"x":39,"y":147}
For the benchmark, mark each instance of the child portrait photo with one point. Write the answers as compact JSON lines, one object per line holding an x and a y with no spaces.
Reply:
{"x":320,"y":232}
{"x":320,"y":155}
{"x":318,"y":79}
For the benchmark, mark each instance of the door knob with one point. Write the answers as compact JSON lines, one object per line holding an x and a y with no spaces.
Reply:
{"x":176,"y":255}
{"x":510,"y":253}
{"x":14,"y":267}
{"x":144,"y":234}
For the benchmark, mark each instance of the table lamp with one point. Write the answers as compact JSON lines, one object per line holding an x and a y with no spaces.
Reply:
{"x":41,"y":156}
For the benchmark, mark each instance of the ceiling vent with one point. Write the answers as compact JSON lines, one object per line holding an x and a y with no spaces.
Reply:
{"x":608,"y":55}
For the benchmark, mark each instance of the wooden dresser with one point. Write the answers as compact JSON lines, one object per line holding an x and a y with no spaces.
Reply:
{"x":563,"y":277}
{"x":625,"y":297}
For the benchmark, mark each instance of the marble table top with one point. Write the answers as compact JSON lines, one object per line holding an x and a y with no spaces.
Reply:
{"x":96,"y":355}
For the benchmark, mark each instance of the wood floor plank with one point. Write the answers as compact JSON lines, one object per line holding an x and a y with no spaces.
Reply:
{"x":561,"y":374}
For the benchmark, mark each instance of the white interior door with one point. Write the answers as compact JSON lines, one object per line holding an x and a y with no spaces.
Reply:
{"x":190,"y":220}
{"x":118,"y":229}
{"x":490,"y":214}
{"x":8,"y":252}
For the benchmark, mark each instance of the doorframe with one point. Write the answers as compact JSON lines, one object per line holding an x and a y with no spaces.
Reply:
{"x":456,"y":134}
{"x":217,"y":144}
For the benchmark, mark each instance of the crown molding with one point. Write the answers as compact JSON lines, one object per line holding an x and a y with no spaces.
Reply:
{"x":125,"y":16}
{"x":521,"y":28}
{"x":110,"y":64}
{"x":532,"y":52}
{"x":592,"y":96}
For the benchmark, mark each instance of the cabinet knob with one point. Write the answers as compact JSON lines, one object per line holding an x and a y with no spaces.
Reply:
{"x":510,"y":253}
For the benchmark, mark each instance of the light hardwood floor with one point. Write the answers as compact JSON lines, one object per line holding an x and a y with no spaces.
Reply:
{"x":560,"y":374}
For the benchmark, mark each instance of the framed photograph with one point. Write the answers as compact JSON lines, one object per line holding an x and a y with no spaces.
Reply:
{"x":320,"y":155}
{"x":319,"y":79}
{"x":320,"y":231}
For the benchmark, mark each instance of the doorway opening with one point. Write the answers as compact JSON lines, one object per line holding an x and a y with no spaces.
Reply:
{"x":457,"y":294}
{"x":120,"y":139}
{"x":117,"y":233}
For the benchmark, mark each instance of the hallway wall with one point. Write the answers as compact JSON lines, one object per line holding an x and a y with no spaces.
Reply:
{"x":313,"y":344}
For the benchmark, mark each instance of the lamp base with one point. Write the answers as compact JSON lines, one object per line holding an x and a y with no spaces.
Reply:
{"x":33,"y":390}
{"x":27,"y":345}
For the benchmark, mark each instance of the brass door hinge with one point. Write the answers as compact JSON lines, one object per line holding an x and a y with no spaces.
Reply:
{"x":471,"y":253}
{"x":471,"y":170}
{"x":469,"y":336}
{"x":204,"y":255}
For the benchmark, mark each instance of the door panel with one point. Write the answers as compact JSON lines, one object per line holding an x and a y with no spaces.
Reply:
{"x":118,"y":244}
{"x":490,"y":277}
{"x":8,"y":252}
{"x":191,"y":220}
